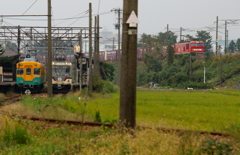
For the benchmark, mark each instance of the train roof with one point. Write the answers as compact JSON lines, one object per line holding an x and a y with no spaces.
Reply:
{"x":30,"y":59}
{"x":190,"y":42}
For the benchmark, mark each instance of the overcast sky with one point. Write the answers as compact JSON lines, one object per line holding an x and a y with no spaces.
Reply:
{"x":154,"y":15}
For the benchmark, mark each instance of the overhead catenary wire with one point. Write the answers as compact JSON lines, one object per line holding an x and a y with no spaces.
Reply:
{"x":10,"y":18}
{"x":29,"y":7}
{"x":85,"y":12}
{"x":79,"y":18}
{"x":99,"y":2}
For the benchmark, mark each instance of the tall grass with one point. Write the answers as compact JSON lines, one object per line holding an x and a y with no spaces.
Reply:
{"x":198,"y":110}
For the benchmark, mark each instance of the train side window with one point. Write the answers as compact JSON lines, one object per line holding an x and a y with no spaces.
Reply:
{"x":187,"y":46}
{"x":28,"y":71}
{"x":19,"y":71}
{"x":37,"y":71}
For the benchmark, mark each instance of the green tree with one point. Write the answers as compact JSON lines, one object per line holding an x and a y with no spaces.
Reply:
{"x":147,"y":42}
{"x":152,"y":62}
{"x":232,"y":47}
{"x":167,"y":37}
{"x":170,"y":51}
{"x":189,"y":37}
{"x":238,"y":45}
{"x":206,"y":38}
{"x":107,"y":71}
{"x":1,"y":49}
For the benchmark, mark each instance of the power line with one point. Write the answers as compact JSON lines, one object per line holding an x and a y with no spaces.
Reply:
{"x":29,"y":7}
{"x":98,"y":6}
{"x":78,"y":19}
{"x":10,"y":18}
{"x":74,"y":16}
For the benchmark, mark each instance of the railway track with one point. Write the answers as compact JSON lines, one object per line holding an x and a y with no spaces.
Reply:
{"x":98,"y":124}
{"x":10,"y":100}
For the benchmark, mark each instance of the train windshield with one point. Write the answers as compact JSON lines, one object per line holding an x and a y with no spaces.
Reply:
{"x":61,"y":71}
{"x":37,"y":71}
{"x":19,"y":71}
{"x":196,"y":44}
{"x":28,"y":71}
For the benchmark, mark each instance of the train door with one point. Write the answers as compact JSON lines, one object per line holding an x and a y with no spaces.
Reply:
{"x":28,"y":73}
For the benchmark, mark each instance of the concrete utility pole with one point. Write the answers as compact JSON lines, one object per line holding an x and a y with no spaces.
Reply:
{"x":220,"y":69}
{"x":49,"y":62}
{"x":167,"y":32}
{"x":180,"y":34}
{"x":217,"y":36}
{"x":113,"y":44}
{"x":118,"y":26}
{"x":90,"y":47}
{"x":80,"y":63}
{"x":19,"y":39}
{"x":227,"y":40}
{"x":128,"y":65}
{"x":225,"y":50}
{"x":96,"y":51}
{"x":190,"y":65}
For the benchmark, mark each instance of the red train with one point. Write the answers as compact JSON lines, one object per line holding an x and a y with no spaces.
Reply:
{"x":112,"y":55}
{"x":187,"y":47}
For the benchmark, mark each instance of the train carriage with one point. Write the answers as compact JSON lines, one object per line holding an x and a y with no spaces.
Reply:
{"x":30,"y":75}
{"x":187,"y":47}
{"x":61,"y":76}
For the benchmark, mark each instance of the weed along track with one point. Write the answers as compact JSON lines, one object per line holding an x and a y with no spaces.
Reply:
{"x":57,"y":122}
{"x":10,"y":100}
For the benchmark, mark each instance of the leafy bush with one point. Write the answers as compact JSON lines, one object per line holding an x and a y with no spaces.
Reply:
{"x":97,"y":117}
{"x":216,"y":147}
{"x":103,"y":86}
{"x":18,"y":133}
{"x":109,"y":87}
{"x":97,"y":84}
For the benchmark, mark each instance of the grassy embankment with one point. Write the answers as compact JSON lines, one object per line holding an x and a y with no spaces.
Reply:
{"x":215,"y":110}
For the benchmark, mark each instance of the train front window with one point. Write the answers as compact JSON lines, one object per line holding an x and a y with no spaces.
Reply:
{"x":196,"y":44}
{"x":37,"y":71}
{"x":61,"y":70}
{"x":28,"y":71}
{"x":19,"y":71}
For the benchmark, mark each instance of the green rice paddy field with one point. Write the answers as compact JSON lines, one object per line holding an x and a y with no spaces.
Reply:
{"x":212,"y":110}
{"x":209,"y":110}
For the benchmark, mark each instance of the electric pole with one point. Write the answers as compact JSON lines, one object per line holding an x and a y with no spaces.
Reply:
{"x":217,"y":36}
{"x":180,"y":34}
{"x":129,"y":64}
{"x":96,"y":49}
{"x":113,"y":44}
{"x":18,"y":39}
{"x":167,"y":33}
{"x":220,"y":69}
{"x":49,"y":62}
{"x":225,"y":50}
{"x":118,"y":26}
{"x":90,"y":47}
{"x":80,"y":63}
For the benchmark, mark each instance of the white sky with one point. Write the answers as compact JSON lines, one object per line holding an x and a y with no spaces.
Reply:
{"x":154,"y":15}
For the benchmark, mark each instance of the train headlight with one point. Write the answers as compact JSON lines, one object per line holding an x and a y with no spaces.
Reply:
{"x":59,"y":79}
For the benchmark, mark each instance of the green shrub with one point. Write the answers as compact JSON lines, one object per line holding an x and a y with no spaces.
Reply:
{"x":215,"y":147}
{"x":97,"y":117}
{"x":18,"y":133}
{"x":109,"y":87}
{"x":97,"y":84}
